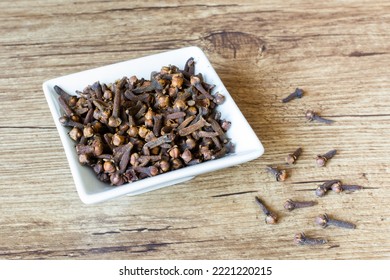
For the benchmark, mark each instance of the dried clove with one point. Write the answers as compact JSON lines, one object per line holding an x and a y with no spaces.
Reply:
{"x":66,"y":121}
{"x":189,"y":67}
{"x":313,"y":116}
{"x":117,"y":179}
{"x":337,"y":187}
{"x":280,"y":175}
{"x":167,"y":138}
{"x":109,"y":167}
{"x":291,"y":204}
{"x":324,"y":221}
{"x":270,"y":218}
{"x":176,"y":163}
{"x":321,"y":160}
{"x":302,"y":239}
{"x":164,"y":165}
{"x":70,"y":99}
{"x":114,"y":120}
{"x":298,"y":93}
{"x":196,"y":82}
{"x":219,"y":98}
{"x":149,"y":171}
{"x":75,"y":134}
{"x":292,"y":158}
{"x":186,"y":156}
{"x":192,"y":128}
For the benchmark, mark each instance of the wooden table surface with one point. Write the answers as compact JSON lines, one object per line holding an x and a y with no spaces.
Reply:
{"x":337,"y":51}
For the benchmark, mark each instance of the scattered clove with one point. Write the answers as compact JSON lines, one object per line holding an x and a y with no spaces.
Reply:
{"x":136,"y":128}
{"x":291,"y":204}
{"x":302,"y":239}
{"x":337,"y":187}
{"x":280,"y":175}
{"x":324,"y":221}
{"x":270,"y":218}
{"x":313,"y":116}
{"x":298,"y":93}
{"x":292,"y":158}
{"x":321,"y":160}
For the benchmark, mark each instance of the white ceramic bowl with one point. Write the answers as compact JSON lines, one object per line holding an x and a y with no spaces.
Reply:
{"x":89,"y":188}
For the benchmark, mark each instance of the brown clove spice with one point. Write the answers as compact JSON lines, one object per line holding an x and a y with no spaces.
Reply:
{"x":292,"y":158}
{"x":292,"y":204}
{"x":313,"y":116}
{"x":324,"y":221}
{"x":298,"y":93}
{"x":279,"y":174}
{"x":270,"y":217}
{"x":302,"y":239}
{"x":321,"y":160}
{"x":338,"y":187}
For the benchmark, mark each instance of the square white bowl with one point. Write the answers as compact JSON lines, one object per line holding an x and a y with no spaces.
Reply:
{"x":89,"y":188}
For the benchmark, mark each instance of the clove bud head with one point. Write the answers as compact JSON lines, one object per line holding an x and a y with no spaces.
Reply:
{"x":271,"y":218}
{"x":322,"y":220}
{"x":282,"y":175}
{"x":321,"y":161}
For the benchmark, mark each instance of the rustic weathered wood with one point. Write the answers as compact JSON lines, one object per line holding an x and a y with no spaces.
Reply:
{"x":337,"y":51}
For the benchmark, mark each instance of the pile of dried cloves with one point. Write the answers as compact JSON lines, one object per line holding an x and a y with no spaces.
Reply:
{"x":136,"y":128}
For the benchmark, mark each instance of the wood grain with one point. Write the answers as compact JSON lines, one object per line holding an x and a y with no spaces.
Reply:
{"x":337,"y":51}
